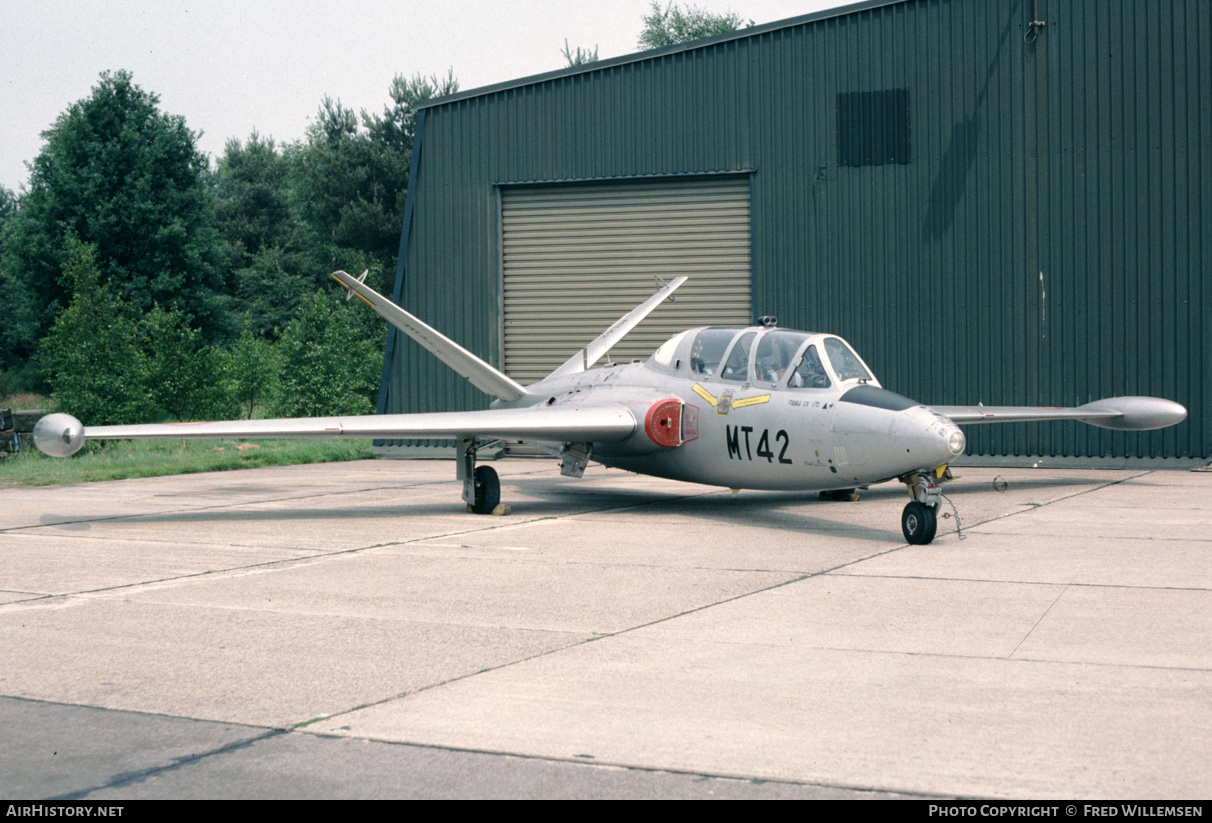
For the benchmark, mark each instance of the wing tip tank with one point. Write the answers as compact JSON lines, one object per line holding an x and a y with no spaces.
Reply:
{"x":58,"y":435}
{"x":1137,"y":413}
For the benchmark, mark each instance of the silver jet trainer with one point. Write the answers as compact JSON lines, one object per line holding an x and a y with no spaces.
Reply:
{"x":752,"y":408}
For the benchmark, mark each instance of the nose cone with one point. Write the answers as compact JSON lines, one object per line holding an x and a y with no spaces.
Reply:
{"x":894,"y":433}
{"x":957,"y":442}
{"x":930,"y":437}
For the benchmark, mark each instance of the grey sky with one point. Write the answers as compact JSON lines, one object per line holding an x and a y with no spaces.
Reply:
{"x":234,"y":67}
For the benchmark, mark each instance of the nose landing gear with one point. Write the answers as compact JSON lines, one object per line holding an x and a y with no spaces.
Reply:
{"x":919,"y":520}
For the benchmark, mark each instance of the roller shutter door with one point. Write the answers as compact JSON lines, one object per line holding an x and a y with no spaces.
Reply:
{"x":576,"y":257}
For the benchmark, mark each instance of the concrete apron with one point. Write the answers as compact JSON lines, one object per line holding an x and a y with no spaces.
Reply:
{"x":1060,"y":650}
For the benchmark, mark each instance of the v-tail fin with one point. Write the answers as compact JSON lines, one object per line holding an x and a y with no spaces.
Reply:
{"x":588,"y":356}
{"x":480,"y":374}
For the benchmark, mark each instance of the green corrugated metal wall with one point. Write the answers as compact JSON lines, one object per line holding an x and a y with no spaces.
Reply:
{"x":1046,"y":244}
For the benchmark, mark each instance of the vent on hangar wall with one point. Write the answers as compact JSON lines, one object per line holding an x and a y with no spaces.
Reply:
{"x":873,"y":127}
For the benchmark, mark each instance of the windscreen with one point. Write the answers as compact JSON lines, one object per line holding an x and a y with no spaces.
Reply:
{"x":810,"y":373}
{"x":845,"y":362}
{"x":737,"y":366}
{"x":774,"y":353}
{"x":708,"y":350}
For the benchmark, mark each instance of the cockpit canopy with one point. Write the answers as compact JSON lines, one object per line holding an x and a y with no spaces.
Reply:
{"x":772,"y":358}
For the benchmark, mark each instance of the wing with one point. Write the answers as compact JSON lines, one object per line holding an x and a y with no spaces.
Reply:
{"x":60,"y":435}
{"x":1123,"y":413}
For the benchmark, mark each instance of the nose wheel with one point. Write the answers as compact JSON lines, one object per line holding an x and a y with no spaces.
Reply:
{"x":919,"y":522}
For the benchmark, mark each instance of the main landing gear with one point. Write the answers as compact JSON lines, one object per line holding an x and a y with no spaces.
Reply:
{"x":919,"y":520}
{"x":481,"y":486}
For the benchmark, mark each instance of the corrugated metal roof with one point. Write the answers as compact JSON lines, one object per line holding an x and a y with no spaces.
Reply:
{"x":652,"y":54}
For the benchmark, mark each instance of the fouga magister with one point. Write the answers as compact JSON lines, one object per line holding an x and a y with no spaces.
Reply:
{"x":744,"y":408}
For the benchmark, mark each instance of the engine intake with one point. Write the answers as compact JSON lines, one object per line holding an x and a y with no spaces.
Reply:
{"x":663,"y":422}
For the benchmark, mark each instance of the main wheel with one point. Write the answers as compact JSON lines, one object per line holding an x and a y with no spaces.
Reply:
{"x":837,"y":495}
{"x":919,"y":523}
{"x":488,"y":490}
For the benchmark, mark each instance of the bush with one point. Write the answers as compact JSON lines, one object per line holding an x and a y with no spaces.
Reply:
{"x":330,"y":363}
{"x":91,"y":357}
{"x":252,"y":366}
{"x":184,"y":377}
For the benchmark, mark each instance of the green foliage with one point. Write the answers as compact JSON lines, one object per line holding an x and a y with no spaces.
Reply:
{"x":335,"y":200}
{"x":252,"y":202}
{"x":252,"y":366}
{"x":184,"y":377}
{"x":330,"y":363}
{"x":22,"y":379}
{"x":272,"y":258}
{"x":673,"y":24}
{"x":18,"y":301}
{"x":122,"y":176}
{"x":580,"y":57}
{"x":397,"y":126}
{"x":349,"y":182}
{"x":265,"y":245}
{"x":105,"y":367}
{"x":270,"y":288}
{"x":8,"y":206}
{"x":159,"y":259}
{"x":348,"y":189}
{"x":91,"y":355}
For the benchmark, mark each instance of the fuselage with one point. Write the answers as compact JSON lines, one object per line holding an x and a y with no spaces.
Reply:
{"x":761,"y":408}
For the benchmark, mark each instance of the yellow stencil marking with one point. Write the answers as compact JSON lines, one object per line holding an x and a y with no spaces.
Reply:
{"x":351,"y":291}
{"x":703,"y":393}
{"x":750,"y":401}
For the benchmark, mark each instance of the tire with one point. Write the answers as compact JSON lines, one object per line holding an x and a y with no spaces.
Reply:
{"x":837,"y":495}
{"x":919,"y":523}
{"x":488,"y":490}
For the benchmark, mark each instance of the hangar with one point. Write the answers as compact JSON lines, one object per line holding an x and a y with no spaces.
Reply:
{"x":1002,"y":202}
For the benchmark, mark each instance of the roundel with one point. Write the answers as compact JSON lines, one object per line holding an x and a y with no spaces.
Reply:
{"x":663,"y":423}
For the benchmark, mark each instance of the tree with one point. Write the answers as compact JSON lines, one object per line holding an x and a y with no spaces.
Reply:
{"x":253,"y":366}
{"x":271,"y":287}
{"x":252,"y":199}
{"x":8,"y":206}
{"x":350,"y":181}
{"x":91,"y":356}
{"x":330,"y":363}
{"x":580,"y":57}
{"x":397,"y":126}
{"x":184,"y":377}
{"x":266,"y":251}
{"x":20,"y":314}
{"x":16,"y":301}
{"x":104,"y":366}
{"x":674,"y":25}
{"x":125,"y":178}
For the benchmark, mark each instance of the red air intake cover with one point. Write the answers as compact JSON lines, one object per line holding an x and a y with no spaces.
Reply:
{"x":663,"y":423}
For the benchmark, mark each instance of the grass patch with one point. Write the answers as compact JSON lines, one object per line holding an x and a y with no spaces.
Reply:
{"x":25,"y":400}
{"x":122,"y":459}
